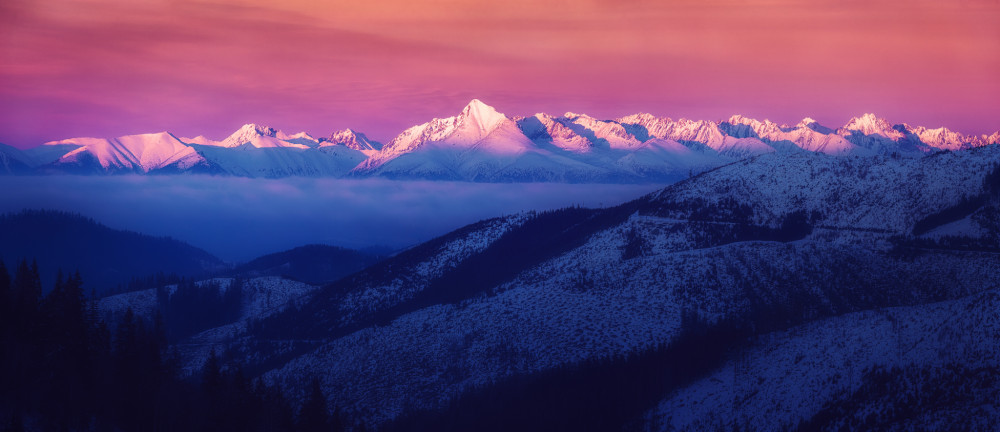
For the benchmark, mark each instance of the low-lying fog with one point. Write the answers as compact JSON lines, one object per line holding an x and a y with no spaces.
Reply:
{"x":239,"y":218}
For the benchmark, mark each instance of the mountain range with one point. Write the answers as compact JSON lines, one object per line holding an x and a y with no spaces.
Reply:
{"x":483,"y":145}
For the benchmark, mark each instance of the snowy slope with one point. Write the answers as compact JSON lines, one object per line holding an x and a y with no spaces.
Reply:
{"x":807,"y":135}
{"x":353,"y":140}
{"x":700,"y":245}
{"x":262,"y":297}
{"x":132,"y":153}
{"x":609,"y":144}
{"x":261,"y":151}
{"x":281,"y":161}
{"x":586,"y":304}
{"x":787,"y":377}
{"x":260,"y":137}
{"x":879,"y":192}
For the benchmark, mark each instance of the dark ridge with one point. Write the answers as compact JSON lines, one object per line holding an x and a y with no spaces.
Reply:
{"x":105,"y":257}
{"x":313,"y":264}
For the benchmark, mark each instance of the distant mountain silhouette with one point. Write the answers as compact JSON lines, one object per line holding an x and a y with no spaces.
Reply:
{"x":105,"y":257}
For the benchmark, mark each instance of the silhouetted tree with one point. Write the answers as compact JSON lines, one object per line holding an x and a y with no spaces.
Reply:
{"x":5,"y":295}
{"x":314,"y":417}
{"x":211,"y":375}
{"x":62,"y":369}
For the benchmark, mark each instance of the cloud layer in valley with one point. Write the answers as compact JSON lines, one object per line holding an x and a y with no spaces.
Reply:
{"x":239,"y":218}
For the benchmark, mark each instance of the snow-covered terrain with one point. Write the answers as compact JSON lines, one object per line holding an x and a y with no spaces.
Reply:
{"x":865,"y":247}
{"x":261,"y":297}
{"x":481,"y":144}
{"x":718,"y":245}
{"x":861,"y":261}
{"x":133,"y":153}
{"x":786,"y":377}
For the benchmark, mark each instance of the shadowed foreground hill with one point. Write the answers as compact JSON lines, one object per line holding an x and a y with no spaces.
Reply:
{"x":314,"y":264}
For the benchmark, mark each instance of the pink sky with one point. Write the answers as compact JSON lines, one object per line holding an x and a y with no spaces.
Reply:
{"x":107,"y":68}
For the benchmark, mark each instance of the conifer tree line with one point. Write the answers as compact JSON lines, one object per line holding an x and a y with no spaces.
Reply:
{"x":63,"y":368}
{"x":190,"y":307}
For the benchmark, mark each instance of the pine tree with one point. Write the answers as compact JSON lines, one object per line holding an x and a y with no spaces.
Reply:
{"x":212,"y":380}
{"x":5,"y":298}
{"x":23,"y":350}
{"x":6,"y":339}
{"x":27,"y":291}
{"x":314,"y":417}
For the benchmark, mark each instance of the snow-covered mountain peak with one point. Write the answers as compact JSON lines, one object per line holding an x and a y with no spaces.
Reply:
{"x":267,"y":137}
{"x":870,"y":124}
{"x":300,"y":135}
{"x":247,"y":134}
{"x":200,"y":140}
{"x":640,"y":118}
{"x":484,"y":116}
{"x":130,"y":153}
{"x":737,"y":119}
{"x":813,"y":124}
{"x":942,"y":137}
{"x":261,"y":130}
{"x":353,"y":140}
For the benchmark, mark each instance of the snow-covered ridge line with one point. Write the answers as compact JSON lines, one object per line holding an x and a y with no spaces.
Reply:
{"x":482,"y":144}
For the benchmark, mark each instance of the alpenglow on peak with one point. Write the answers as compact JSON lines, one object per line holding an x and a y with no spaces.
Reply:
{"x":247,"y":133}
{"x":870,"y":124}
{"x":482,"y":115}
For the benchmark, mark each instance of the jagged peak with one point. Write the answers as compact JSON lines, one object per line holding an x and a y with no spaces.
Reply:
{"x":637,"y":117}
{"x":353,"y":139}
{"x":247,"y":133}
{"x":346,"y":133}
{"x":476,"y":104}
{"x":258,"y":129}
{"x":870,"y":124}
{"x":814,"y":125}
{"x":477,"y":108}
{"x":484,"y":116}
{"x":808,"y":123}
{"x":736,"y":119}
{"x":867,"y":120}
